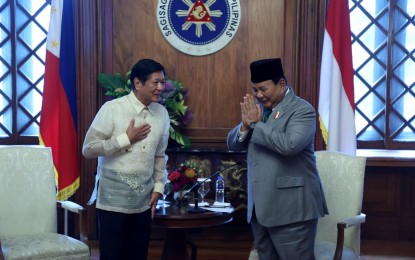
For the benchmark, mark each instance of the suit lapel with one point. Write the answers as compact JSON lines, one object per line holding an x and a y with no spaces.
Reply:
{"x":278,"y":111}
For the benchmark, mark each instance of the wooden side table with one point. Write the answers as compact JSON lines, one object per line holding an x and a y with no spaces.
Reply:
{"x":176,"y":220}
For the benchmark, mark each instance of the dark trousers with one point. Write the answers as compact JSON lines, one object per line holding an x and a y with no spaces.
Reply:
{"x":289,"y":242}
{"x":123,"y":236}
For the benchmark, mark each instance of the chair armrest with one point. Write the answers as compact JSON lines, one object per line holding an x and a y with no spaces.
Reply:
{"x":81,"y":211}
{"x":71,"y":206}
{"x":341,"y":226}
{"x":355,"y":220}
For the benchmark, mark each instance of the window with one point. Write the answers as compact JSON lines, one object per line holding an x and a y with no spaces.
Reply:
{"x":23,"y":30}
{"x":383,"y":44}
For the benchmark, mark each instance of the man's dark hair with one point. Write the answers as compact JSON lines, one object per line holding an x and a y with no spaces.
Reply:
{"x":144,"y":68}
{"x":277,"y":79}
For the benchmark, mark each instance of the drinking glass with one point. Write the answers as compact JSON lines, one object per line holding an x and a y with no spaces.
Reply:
{"x":203,"y":189}
{"x":167,"y":189}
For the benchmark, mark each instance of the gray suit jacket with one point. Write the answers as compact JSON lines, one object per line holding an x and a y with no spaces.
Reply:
{"x":283,"y":181}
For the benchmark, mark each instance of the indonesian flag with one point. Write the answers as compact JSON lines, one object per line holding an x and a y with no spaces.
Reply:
{"x":58,"y":118}
{"x":336,"y":102}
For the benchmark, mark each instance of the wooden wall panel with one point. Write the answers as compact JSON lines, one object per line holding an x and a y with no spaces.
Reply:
{"x":381,"y":228}
{"x":408,"y":192}
{"x":380,"y":204}
{"x":381,"y":192}
{"x":216,"y":82}
{"x":407,"y":226}
{"x":389,"y":203}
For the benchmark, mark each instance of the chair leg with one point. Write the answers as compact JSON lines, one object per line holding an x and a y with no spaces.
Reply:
{"x":340,"y":241}
{"x":193,"y":247}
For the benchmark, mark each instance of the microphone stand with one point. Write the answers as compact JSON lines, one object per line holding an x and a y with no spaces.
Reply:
{"x":196,"y":208}
{"x":196,"y":186}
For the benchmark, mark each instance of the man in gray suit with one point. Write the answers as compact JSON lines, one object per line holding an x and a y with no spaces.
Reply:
{"x":285,"y":196}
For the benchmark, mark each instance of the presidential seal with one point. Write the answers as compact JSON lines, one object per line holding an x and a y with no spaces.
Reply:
{"x":198,"y":27}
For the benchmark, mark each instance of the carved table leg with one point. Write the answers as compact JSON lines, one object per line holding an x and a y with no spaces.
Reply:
{"x":175,"y":245}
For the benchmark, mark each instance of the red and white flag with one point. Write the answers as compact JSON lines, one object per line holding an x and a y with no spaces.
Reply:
{"x":58,"y":117}
{"x":336,"y":100}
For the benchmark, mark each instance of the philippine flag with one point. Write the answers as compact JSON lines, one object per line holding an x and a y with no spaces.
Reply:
{"x":58,"y":117}
{"x":336,"y":101}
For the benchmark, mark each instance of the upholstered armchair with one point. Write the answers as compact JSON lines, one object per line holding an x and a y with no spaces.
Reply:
{"x":338,"y":234}
{"x":28,"y":208}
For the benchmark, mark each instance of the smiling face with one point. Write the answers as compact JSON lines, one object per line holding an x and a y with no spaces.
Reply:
{"x":268,"y":93}
{"x":150,"y":91}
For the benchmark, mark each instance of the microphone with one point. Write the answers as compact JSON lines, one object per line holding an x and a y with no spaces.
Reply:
{"x":196,"y":186}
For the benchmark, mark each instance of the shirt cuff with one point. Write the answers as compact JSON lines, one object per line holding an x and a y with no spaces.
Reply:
{"x":158,"y":187}
{"x":242,"y":135}
{"x":123,"y":141}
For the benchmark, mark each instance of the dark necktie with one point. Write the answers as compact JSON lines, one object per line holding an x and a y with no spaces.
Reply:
{"x":267,"y":112}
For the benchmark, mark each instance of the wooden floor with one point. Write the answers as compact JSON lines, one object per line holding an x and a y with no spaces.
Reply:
{"x":371,"y":250}
{"x":233,"y":241}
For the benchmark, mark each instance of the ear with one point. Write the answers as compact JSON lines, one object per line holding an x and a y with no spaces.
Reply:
{"x":137,"y":83}
{"x":282,"y":82}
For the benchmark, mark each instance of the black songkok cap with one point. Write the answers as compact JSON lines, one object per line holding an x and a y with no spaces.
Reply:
{"x":267,"y":69}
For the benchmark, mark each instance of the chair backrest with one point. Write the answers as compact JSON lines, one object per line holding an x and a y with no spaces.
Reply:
{"x":342,"y":177}
{"x":27,"y":191}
